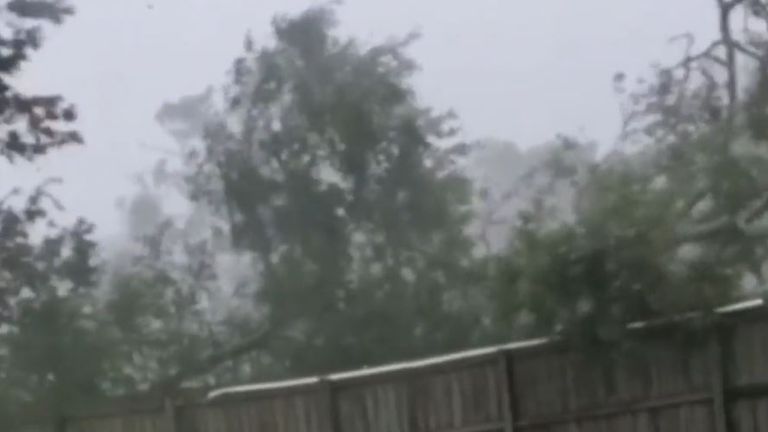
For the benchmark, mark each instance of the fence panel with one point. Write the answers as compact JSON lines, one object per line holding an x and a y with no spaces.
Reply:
{"x":464,"y":398}
{"x":717,"y":385}
{"x":149,"y":422}
{"x":378,"y":407}
{"x":558,"y":387}
{"x":303,"y":412}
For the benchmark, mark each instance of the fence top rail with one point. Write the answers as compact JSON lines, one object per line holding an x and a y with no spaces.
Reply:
{"x":384,"y":370}
{"x":440,"y":361}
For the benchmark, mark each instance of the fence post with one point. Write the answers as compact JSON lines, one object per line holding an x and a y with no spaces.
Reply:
{"x":506,"y":389}
{"x":171,"y":418}
{"x":329,"y":402}
{"x":717,"y":378}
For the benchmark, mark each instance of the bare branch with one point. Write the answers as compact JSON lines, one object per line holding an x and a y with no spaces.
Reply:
{"x":748,"y":52}
{"x":730,"y":52}
{"x":754,"y":211}
{"x":706,"y":54}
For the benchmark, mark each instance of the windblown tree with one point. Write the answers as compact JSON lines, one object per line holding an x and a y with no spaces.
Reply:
{"x":674,"y":219}
{"x":158,"y":296}
{"x":31,"y":124}
{"x":346,"y":192}
{"x":508,"y":179}
{"x":52,"y":355}
{"x":28,"y":123}
{"x":172,"y":295}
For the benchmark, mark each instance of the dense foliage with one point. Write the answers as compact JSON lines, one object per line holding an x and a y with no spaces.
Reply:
{"x":672,"y":220}
{"x":330,"y":220}
{"x":50,"y":351}
{"x":329,"y":174}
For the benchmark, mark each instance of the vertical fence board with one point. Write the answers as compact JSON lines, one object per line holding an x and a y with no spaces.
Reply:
{"x":505,"y":392}
{"x":717,"y":380}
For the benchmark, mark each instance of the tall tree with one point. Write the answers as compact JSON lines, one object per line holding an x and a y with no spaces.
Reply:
{"x":348,"y":196}
{"x":674,"y":220}
{"x":52,"y":355}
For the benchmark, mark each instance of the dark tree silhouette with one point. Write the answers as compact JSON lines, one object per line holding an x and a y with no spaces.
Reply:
{"x":30,"y":124}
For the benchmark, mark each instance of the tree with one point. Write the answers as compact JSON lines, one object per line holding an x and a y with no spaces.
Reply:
{"x":32,"y":124}
{"x":167,"y":295}
{"x":29,"y":122}
{"x":53,"y":353}
{"x":673,"y":221}
{"x":508,"y":179}
{"x":337,"y":182}
{"x":53,"y":357}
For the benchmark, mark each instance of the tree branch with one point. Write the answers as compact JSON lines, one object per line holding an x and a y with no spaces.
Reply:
{"x":738,"y":46}
{"x":730,"y":52}
{"x":745,"y":222}
{"x":706,"y":53}
{"x":172,"y":382}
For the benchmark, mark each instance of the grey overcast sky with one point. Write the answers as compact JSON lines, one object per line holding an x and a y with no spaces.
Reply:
{"x":519,"y":70}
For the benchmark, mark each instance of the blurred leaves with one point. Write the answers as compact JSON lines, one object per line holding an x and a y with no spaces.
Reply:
{"x":331,"y":176}
{"x":672,"y":220}
{"x":31,"y":125}
{"x":323,"y":201}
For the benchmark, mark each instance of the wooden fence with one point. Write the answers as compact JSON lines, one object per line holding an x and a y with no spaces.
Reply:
{"x":716,"y":384}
